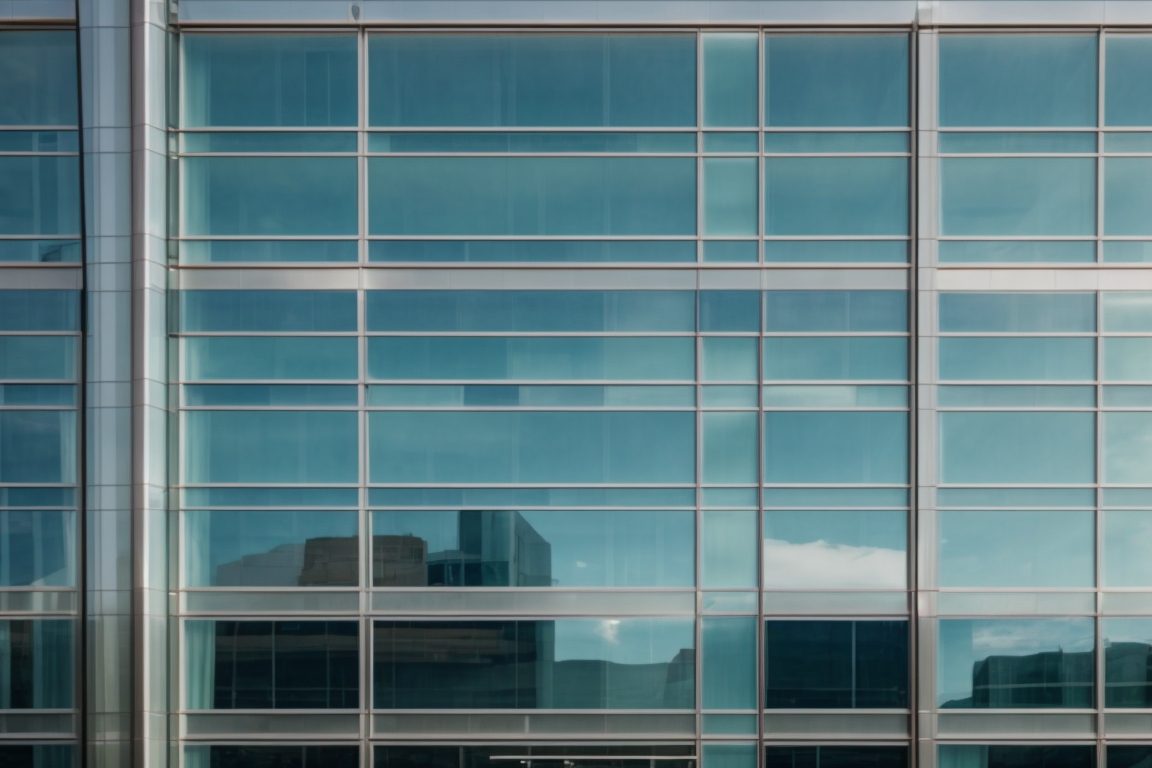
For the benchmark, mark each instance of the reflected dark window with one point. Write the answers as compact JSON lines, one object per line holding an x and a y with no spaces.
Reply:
{"x":835,"y":757}
{"x":36,"y":755}
{"x":1016,"y":756}
{"x":36,"y":664}
{"x":1127,"y":662}
{"x":554,"y":664}
{"x":539,"y":755}
{"x":278,"y":756}
{"x":836,"y":664}
{"x":1134,"y":756}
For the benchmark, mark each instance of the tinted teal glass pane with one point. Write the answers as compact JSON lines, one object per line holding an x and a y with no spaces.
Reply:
{"x":1130,"y":251}
{"x":267,"y":311}
{"x":1127,"y":448}
{"x":731,"y":250}
{"x":560,"y":311}
{"x":37,"y":447}
{"x":1016,"y":549}
{"x":269,"y":195}
{"x":1036,"y":359}
{"x":802,"y":359}
{"x":1125,"y":548}
{"x":828,"y":549}
{"x":835,"y":447}
{"x":269,"y":357}
{"x":730,"y":200}
{"x":244,"y":142}
{"x":836,"y":80}
{"x":728,"y":657}
{"x":731,"y":142}
{"x":38,"y":77}
{"x":1017,"y":142}
{"x":269,"y":394}
{"x":1018,"y":196}
{"x":233,"y":251}
{"x":1003,"y":756}
{"x":730,"y":63}
{"x":728,"y":548}
{"x":37,"y":394}
{"x":37,"y":357}
{"x":39,"y":195}
{"x":1127,"y":88}
{"x":532,"y":79}
{"x":1128,"y":682}
{"x":236,"y":548}
{"x":833,"y":756}
{"x":1018,"y":79}
{"x":1017,"y":396}
{"x":729,"y":311}
{"x":564,"y":549}
{"x":836,"y":196}
{"x":728,"y":359}
{"x":534,"y":664}
{"x":1009,"y":447}
{"x":531,"y":196}
{"x":37,"y":658}
{"x":37,"y":755}
{"x":1015,"y":663}
{"x":39,"y":141}
{"x":532,"y":447}
{"x":721,"y":755}
{"x":729,"y":450}
{"x":1017,"y":251}
{"x":872,"y":141}
{"x":645,"y":251}
{"x":37,"y":548}
{"x":612,"y":498}
{"x":1128,"y":359}
{"x":1127,"y":195}
{"x":531,"y":141}
{"x":261,"y":79}
{"x":234,"y":755}
{"x":536,"y":396}
{"x":836,"y":311}
{"x":43,"y":251}
{"x":277,"y":498}
{"x":852,"y":498}
{"x":1016,"y":497}
{"x":270,"y":447}
{"x":844,"y":396}
{"x":892,"y":251}
{"x":1126,"y":311}
{"x":1017,"y":312}
{"x":1133,"y":397}
{"x":1128,"y":141}
{"x":555,"y":358}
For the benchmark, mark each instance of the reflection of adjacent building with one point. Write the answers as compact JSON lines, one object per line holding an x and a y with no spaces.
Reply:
{"x":1128,"y":670}
{"x":1045,"y":679}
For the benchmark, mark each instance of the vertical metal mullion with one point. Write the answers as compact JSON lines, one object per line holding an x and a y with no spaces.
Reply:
{"x":699,"y":392}
{"x":364,"y":529}
{"x":760,"y":666}
{"x":913,"y":454}
{"x":1101,"y":39}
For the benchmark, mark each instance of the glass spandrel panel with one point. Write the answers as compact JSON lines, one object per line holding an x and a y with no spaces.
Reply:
{"x":730,"y":63}
{"x":37,"y":357}
{"x":1127,"y":195}
{"x":38,"y":77}
{"x":835,"y":447}
{"x":1126,"y":533}
{"x":1127,"y":447}
{"x":1015,"y":663}
{"x":852,"y":311}
{"x":269,"y":195}
{"x":559,"y":311}
{"x":442,"y":80}
{"x":1007,"y":80}
{"x":510,"y":358}
{"x":729,"y":447}
{"x":267,"y":311}
{"x":834,"y":358}
{"x":1018,"y":196}
{"x":1022,"y":359}
{"x":1017,"y":447}
{"x":730,"y":199}
{"x":531,"y":196}
{"x":1019,"y":548}
{"x":1127,"y":359}
{"x":279,"y":755}
{"x":532,"y":447}
{"x":286,"y":80}
{"x":836,"y":664}
{"x":36,"y":664}
{"x":534,"y":664}
{"x":37,"y":446}
{"x":237,"y":548}
{"x":829,"y":549}
{"x":533,"y":548}
{"x":1018,"y":312}
{"x":835,"y":756}
{"x":271,"y":664}
{"x":209,"y":358}
{"x":270,"y":447}
{"x":1019,"y":755}
{"x":37,"y":548}
{"x":836,"y":196}
{"x":1127,"y":88}
{"x":39,"y":195}
{"x":728,"y":548}
{"x":835,"y":80}
{"x":728,"y":657}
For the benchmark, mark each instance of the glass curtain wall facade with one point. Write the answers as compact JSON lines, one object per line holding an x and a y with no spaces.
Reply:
{"x":764,"y":386}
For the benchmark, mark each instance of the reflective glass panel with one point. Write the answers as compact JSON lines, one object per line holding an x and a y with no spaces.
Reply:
{"x":1127,"y":195}
{"x":730,"y":61}
{"x":30,"y":358}
{"x":835,"y":447}
{"x":1020,"y":359}
{"x":823,"y":549}
{"x":39,"y":311}
{"x":729,"y":662}
{"x":730,"y":196}
{"x":1016,"y":548}
{"x":836,"y":196}
{"x":826,"y":756}
{"x":1127,"y":675}
{"x":850,"y":311}
{"x":532,"y":548}
{"x":266,"y":756}
{"x":37,"y":446}
{"x":36,"y":664}
{"x":534,"y":664}
{"x":728,"y":548}
{"x":1018,"y":312}
{"x":38,"y":77}
{"x":1017,"y":447}
{"x":39,"y":195}
{"x":1018,"y":196}
{"x":269,"y":357}
{"x":267,"y":311}
{"x":1125,"y":548}
{"x":36,"y":755}
{"x":1020,"y":756}
{"x":1127,"y":447}
{"x":1127,"y":359}
{"x":37,"y":548}
{"x":814,"y":358}
{"x":1015,"y":663}
{"x":1127,"y":311}
{"x":567,"y":755}
{"x":1127,"y":88}
{"x":836,"y":664}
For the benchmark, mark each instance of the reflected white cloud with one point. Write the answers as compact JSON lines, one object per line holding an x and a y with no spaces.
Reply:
{"x":819,"y":564}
